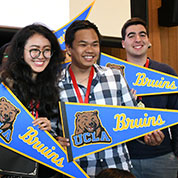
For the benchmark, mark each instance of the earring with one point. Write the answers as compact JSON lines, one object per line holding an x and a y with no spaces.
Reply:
{"x":149,"y":46}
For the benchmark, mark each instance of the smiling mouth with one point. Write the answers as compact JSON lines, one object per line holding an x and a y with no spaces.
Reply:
{"x":90,"y":129}
{"x":39,"y":62}
{"x":88,"y":58}
{"x":138,"y":47}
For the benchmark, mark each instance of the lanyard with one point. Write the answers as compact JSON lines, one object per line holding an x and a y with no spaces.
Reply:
{"x":34,"y":109}
{"x":77,"y":88}
{"x":147,"y":63}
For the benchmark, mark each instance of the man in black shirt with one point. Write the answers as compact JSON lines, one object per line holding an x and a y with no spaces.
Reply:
{"x":150,"y":161}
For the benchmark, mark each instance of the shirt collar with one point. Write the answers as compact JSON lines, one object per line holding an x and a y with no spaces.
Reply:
{"x":65,"y":76}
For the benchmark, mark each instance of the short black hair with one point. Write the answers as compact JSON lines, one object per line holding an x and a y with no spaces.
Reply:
{"x":133,"y":21}
{"x":79,"y":25}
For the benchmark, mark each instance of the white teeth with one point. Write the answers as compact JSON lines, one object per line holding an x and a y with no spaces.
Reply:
{"x":88,"y":57}
{"x":137,"y":47}
{"x":39,"y":62}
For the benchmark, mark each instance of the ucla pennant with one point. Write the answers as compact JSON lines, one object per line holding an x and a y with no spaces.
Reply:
{"x":92,"y":128}
{"x":18,"y":134}
{"x":144,"y":80}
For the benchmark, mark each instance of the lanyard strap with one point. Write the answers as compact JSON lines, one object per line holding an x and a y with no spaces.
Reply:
{"x":77,"y":88}
{"x":147,"y":63}
{"x":34,"y":109}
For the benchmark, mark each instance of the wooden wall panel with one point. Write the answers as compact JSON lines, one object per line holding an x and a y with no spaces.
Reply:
{"x":116,"y":52}
{"x":154,"y":31}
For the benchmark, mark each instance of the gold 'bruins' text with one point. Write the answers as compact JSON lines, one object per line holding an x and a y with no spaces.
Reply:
{"x":123,"y":122}
{"x":142,"y":80}
{"x":31,"y":138}
{"x":61,"y":39}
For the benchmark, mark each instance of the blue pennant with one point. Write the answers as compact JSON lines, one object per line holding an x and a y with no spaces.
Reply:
{"x":144,"y":80}
{"x":18,"y":134}
{"x":60,"y":33}
{"x":86,"y":125}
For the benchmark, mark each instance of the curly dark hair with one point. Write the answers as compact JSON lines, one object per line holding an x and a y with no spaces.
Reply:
{"x":44,"y":89}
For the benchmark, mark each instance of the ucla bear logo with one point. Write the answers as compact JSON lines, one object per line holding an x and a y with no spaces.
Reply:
{"x":8,"y":114}
{"x":118,"y":67}
{"x":89,"y":129}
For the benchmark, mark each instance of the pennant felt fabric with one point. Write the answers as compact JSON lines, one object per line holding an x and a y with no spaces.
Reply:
{"x":92,"y":128}
{"x":144,"y":80}
{"x":60,"y":33}
{"x":18,"y":134}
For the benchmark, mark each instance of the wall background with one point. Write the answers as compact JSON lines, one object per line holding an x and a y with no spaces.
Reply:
{"x":164,"y":40}
{"x":111,"y":10}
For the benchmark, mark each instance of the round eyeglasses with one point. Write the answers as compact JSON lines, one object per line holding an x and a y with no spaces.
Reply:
{"x":35,"y":53}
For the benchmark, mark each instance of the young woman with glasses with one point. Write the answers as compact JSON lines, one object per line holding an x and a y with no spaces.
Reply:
{"x":31,"y":72}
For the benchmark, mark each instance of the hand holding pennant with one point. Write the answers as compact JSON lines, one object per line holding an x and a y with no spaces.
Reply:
{"x":92,"y":128}
{"x":18,"y":134}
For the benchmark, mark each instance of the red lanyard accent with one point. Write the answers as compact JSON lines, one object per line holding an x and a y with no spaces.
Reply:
{"x":36,"y":108}
{"x":147,"y":63}
{"x":77,"y":88}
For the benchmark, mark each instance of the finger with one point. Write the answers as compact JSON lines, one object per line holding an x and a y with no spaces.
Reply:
{"x":44,"y":127}
{"x":154,"y":139}
{"x":147,"y":139}
{"x":63,"y":141}
{"x":150,"y":140}
{"x":161,"y":134}
{"x":40,"y":121}
{"x":133,"y":93}
{"x":158,"y":137}
{"x":43,"y":124}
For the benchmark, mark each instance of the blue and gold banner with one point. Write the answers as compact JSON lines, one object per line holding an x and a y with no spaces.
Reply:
{"x":144,"y":80}
{"x":92,"y":128}
{"x":60,"y":33}
{"x":18,"y":134}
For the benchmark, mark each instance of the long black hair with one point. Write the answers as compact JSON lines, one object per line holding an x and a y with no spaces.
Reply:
{"x":44,"y":89}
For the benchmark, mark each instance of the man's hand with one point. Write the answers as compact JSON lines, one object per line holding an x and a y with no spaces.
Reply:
{"x":63,"y":141}
{"x":155,"y":138}
{"x":133,"y":93}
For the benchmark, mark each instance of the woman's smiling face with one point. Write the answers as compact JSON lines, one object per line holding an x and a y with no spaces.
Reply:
{"x":35,"y":43}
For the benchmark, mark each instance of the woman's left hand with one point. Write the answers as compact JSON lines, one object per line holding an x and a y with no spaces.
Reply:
{"x":43,"y":122}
